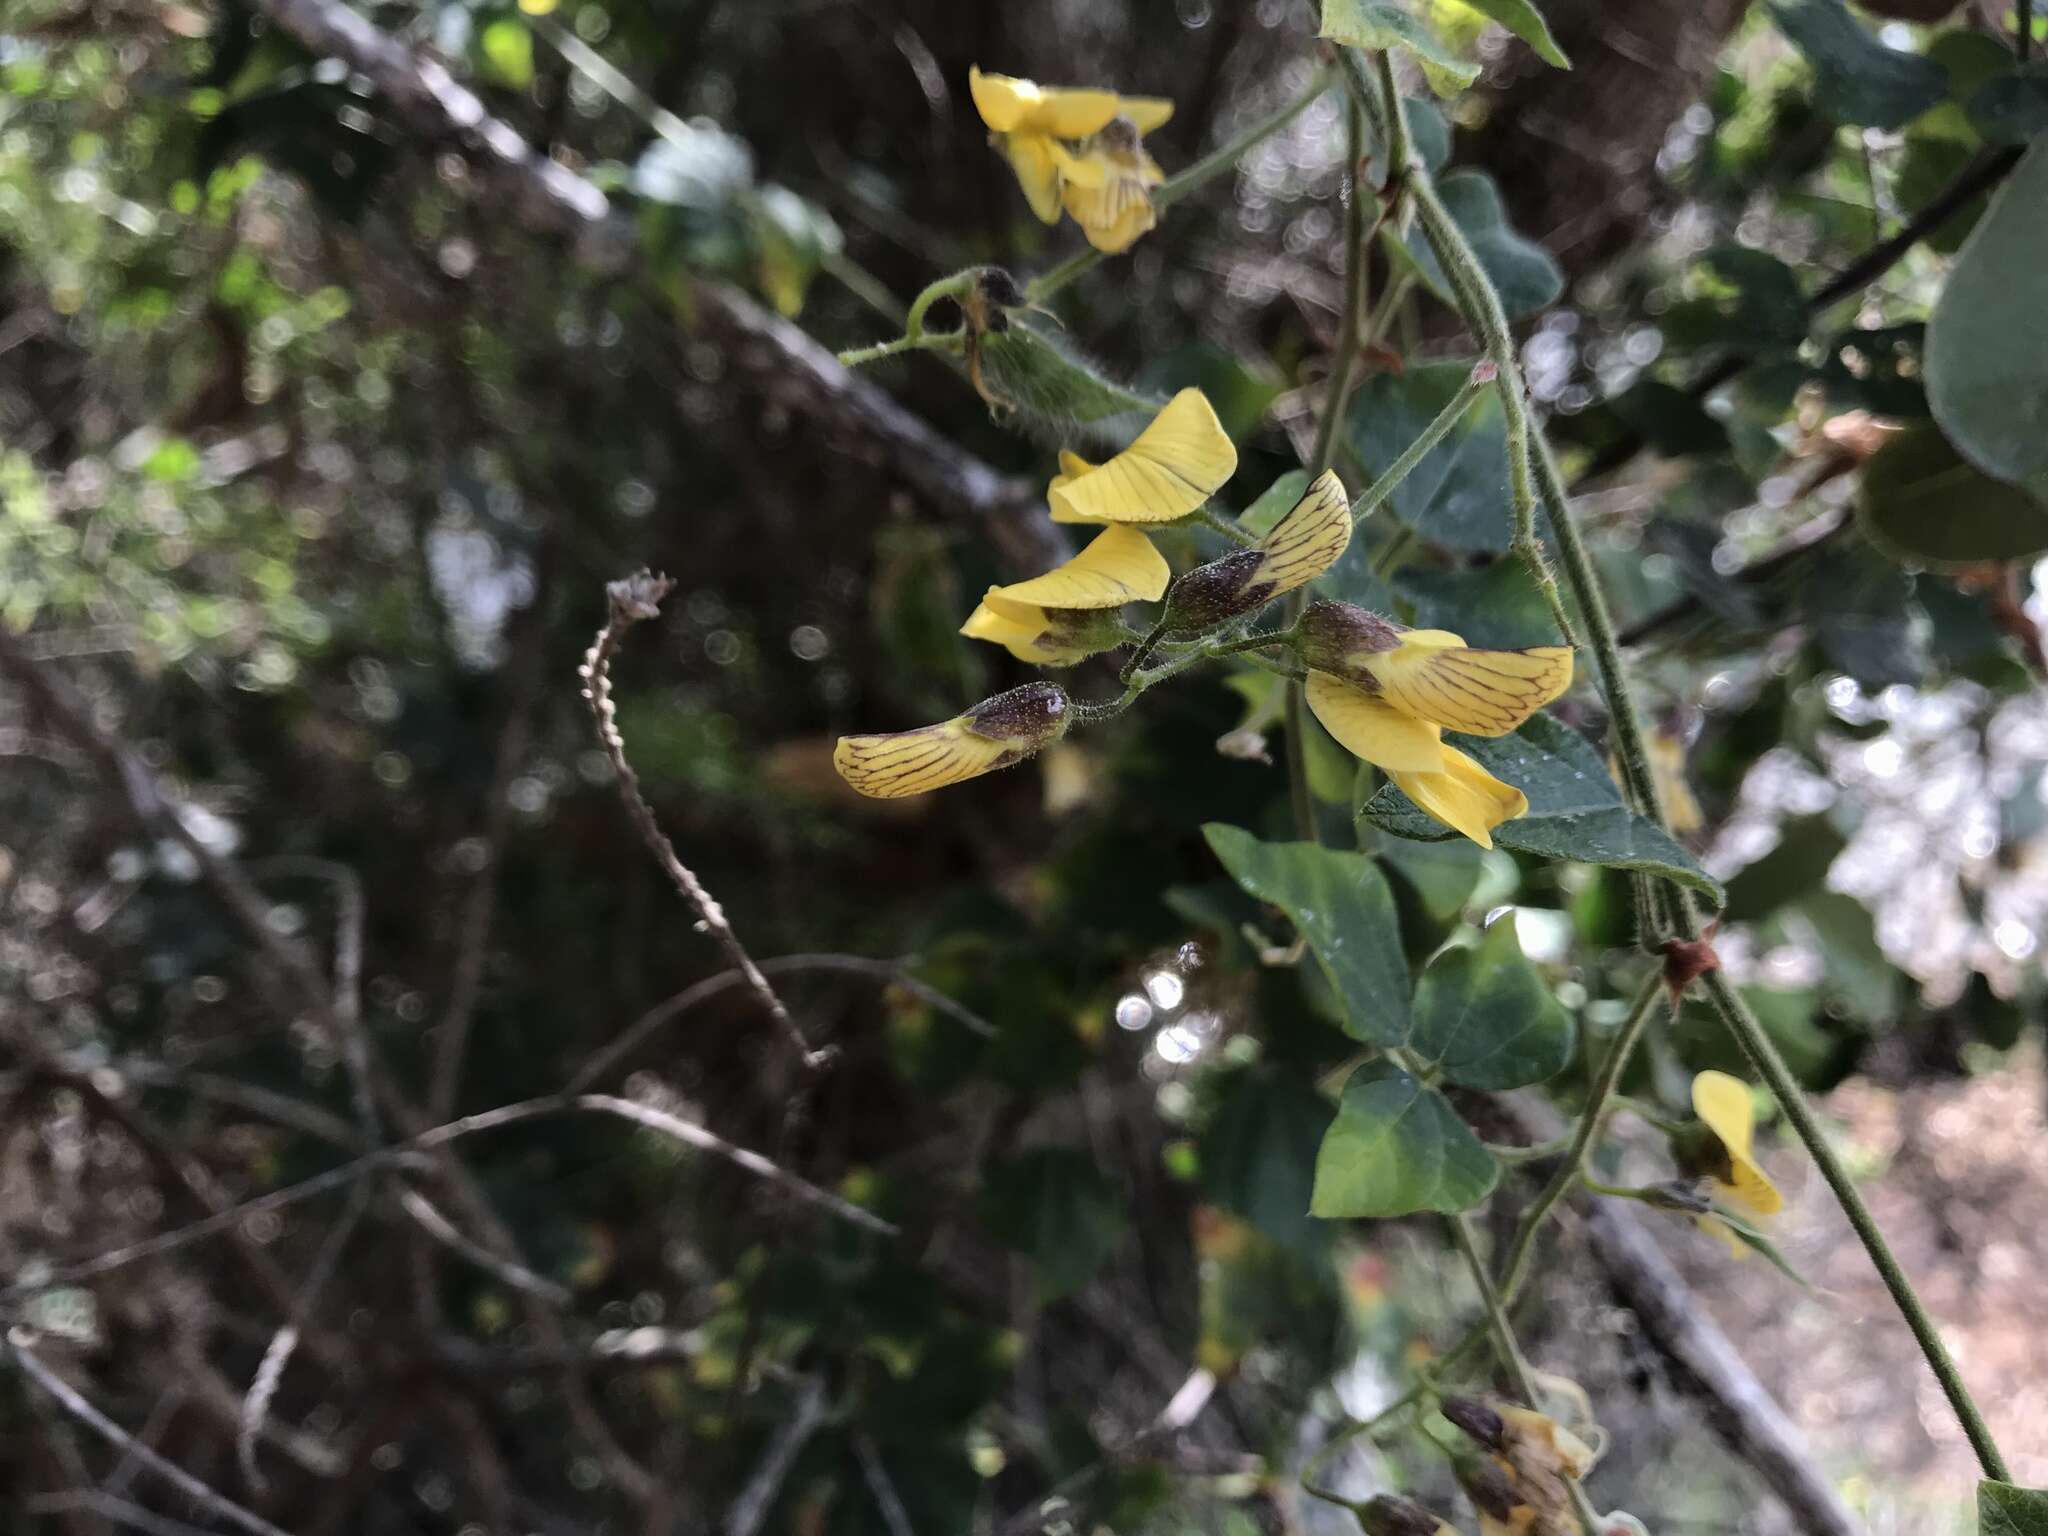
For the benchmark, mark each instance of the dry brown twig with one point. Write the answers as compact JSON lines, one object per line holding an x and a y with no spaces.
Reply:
{"x":629,"y":601}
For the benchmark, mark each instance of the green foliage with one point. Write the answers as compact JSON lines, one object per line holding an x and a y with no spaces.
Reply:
{"x":1523,"y":273}
{"x":1339,"y":903}
{"x":2011,"y":108}
{"x":1383,"y":24}
{"x":1454,"y":496}
{"x":1257,"y":1152}
{"x":1987,"y":341}
{"x":2004,"y":1510}
{"x":1807,"y":848}
{"x":1575,"y":809}
{"x":1486,"y":1020}
{"x":1397,"y":1147}
{"x":1927,"y":504}
{"x":1857,"y":78}
{"x":1053,"y":1205}
{"x":1050,"y":391}
{"x":1527,"y":23}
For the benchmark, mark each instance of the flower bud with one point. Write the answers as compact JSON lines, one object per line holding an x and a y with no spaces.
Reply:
{"x":1026,"y":719}
{"x":1478,"y":1419}
{"x":1334,"y":637}
{"x":994,"y":734}
{"x":1214,"y":594}
{"x":1388,"y":1514}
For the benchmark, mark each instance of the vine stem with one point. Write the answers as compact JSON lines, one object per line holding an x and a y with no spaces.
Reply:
{"x":1186,"y":180}
{"x":1523,"y":1248}
{"x":1510,"y":1351}
{"x":1482,"y":305}
{"x":1411,"y":456}
{"x":1763,"y":1055}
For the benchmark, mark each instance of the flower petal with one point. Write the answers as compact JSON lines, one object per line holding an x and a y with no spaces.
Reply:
{"x":1119,"y":566}
{"x":1483,"y":693}
{"x":1146,"y":112}
{"x":1307,"y":541}
{"x":915,"y":762}
{"x":1038,"y":173}
{"x":1463,"y":796}
{"x":1723,"y":1105}
{"x":1172,"y":467}
{"x":1010,"y":105}
{"x":1112,"y":214}
{"x":1377,"y":732}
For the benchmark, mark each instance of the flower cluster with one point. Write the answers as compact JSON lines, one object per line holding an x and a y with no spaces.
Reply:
{"x":1386,"y":692}
{"x":1081,"y":150}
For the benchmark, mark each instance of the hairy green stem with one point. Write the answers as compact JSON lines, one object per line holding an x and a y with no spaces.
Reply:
{"x":1509,"y":1350}
{"x":1438,"y":429}
{"x":1615,"y":1063}
{"x":1186,"y":180}
{"x":929,"y":341}
{"x":1230,"y":528}
{"x":1763,"y":1055}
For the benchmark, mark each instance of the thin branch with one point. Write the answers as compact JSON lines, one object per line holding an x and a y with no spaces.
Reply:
{"x":887,"y":1500}
{"x":74,"y":1403}
{"x":755,"y":1499}
{"x":635,"y":598}
{"x":430,"y":1220}
{"x":893,"y":972}
{"x":110,"y":1507}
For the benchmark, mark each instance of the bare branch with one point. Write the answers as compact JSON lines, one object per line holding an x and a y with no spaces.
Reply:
{"x":443,"y":1231}
{"x":751,"y":1508}
{"x":75,"y":1404}
{"x":893,"y":972}
{"x":635,"y":598}
{"x":894,"y":1515}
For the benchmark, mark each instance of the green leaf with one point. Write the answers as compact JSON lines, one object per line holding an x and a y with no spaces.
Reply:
{"x":1340,"y":903}
{"x":1759,"y":1243}
{"x":1987,"y":340}
{"x":1523,"y":273}
{"x":1857,"y":79}
{"x":1274,"y":503}
{"x":1053,"y":1205}
{"x":507,"y":50}
{"x":1527,"y":23}
{"x":1258,"y":1150}
{"x":1485,"y":1017}
{"x":1056,"y":393}
{"x":2013,"y":108}
{"x":1457,"y":496}
{"x":1923,"y":502}
{"x":1858,"y":977}
{"x":2005,"y":1510}
{"x":1395,"y":1148}
{"x":1444,"y":875}
{"x":1575,"y":809}
{"x":1382,"y":24}
{"x":1497,"y":605}
{"x":792,"y":238}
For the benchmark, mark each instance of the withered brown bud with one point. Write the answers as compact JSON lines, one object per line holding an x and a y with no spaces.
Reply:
{"x":1335,"y":637}
{"x":1488,"y":1484}
{"x":1479,"y":1420}
{"x":1028,"y":718}
{"x":1388,"y":1514}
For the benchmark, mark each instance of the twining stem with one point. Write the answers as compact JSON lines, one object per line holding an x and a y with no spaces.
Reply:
{"x":1510,"y":1352}
{"x":1186,"y":180}
{"x":1440,"y":428}
{"x":1763,"y":1055}
{"x":1483,"y":310}
{"x":895,"y":346}
{"x":1523,"y":1248}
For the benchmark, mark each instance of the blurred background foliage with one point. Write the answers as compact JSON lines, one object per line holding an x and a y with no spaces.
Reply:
{"x":314,"y":461}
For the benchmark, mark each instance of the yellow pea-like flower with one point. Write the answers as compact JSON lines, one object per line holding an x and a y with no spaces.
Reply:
{"x":1030,"y":120}
{"x":1723,"y":1105}
{"x":1106,"y":187}
{"x":1387,"y":694}
{"x":1299,"y":548}
{"x":1181,"y":459}
{"x":994,"y":734}
{"x":1522,"y":1487}
{"x":1068,"y":614}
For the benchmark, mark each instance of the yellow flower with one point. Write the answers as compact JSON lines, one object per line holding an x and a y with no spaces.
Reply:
{"x":994,"y":734}
{"x":1723,"y":1105}
{"x":1069,"y":613}
{"x":1030,"y":121}
{"x":1387,"y":694}
{"x":1301,"y":546}
{"x":1107,"y":187}
{"x":1667,"y":767}
{"x":1179,"y":461}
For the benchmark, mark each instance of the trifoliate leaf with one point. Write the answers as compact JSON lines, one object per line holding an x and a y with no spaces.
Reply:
{"x":1397,"y":1147}
{"x":1485,"y":1017}
{"x":1382,"y":24}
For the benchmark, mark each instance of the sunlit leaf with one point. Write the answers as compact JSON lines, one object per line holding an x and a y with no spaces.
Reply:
{"x":1397,"y":1147}
{"x":1378,"y":25}
{"x":1527,"y":23}
{"x":506,"y":47}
